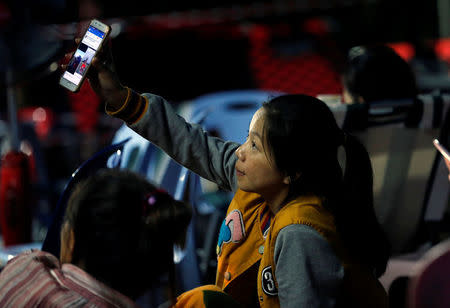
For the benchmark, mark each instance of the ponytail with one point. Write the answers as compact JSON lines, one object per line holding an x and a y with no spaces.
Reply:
{"x":355,"y":218}
{"x":164,"y":224}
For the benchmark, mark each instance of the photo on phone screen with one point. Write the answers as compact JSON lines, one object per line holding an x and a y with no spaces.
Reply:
{"x":82,"y":58}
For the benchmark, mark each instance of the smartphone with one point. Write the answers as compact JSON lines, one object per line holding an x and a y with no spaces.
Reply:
{"x":90,"y":44}
{"x":443,"y":150}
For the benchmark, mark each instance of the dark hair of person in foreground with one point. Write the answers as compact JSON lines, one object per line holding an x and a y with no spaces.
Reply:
{"x":124,"y":229}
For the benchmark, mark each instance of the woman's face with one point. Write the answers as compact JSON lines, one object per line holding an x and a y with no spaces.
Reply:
{"x":255,"y":171}
{"x":346,"y":97}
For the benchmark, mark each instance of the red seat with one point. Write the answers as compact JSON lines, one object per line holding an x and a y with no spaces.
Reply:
{"x":430,"y":285}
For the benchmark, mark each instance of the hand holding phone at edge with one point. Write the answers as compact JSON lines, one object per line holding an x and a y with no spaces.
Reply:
{"x":103,"y":78}
{"x":445,"y":154}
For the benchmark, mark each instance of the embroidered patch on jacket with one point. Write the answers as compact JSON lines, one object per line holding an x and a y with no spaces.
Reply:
{"x":267,"y":281}
{"x":232,"y":230}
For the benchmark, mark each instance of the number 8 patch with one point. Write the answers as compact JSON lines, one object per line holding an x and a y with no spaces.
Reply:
{"x":268,"y":283}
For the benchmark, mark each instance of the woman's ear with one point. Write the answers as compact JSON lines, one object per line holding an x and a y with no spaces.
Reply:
{"x":67,"y":243}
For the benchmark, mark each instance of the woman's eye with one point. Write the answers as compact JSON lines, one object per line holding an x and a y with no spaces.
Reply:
{"x":254,"y":145}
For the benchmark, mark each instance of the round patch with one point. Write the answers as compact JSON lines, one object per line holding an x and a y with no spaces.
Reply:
{"x":268,"y":283}
{"x":232,"y":230}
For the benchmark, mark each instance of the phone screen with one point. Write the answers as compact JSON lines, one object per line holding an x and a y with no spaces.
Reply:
{"x":77,"y":67}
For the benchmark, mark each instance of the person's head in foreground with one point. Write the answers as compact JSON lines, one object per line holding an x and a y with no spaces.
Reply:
{"x":292,"y":151}
{"x":377,"y":72}
{"x":121,"y":229}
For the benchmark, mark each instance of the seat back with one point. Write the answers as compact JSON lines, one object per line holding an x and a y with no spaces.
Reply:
{"x":228,"y":113}
{"x":402,"y":160}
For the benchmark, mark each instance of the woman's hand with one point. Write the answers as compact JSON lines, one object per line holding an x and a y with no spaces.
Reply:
{"x":103,"y":77}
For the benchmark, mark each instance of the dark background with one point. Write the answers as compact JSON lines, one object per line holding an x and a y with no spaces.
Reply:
{"x":172,"y":49}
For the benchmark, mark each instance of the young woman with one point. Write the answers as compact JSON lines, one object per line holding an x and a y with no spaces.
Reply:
{"x":112,"y":248}
{"x":299,"y":232}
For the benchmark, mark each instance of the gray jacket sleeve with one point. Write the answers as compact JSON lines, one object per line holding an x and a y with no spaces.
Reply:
{"x":307,"y":271}
{"x":188,"y":144}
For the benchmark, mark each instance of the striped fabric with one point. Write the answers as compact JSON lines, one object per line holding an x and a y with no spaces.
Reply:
{"x":265,"y":217}
{"x":37,"y":279}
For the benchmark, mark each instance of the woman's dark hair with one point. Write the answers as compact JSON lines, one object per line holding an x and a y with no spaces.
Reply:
{"x":303,"y":138}
{"x":376,"y":73}
{"x":125,"y":229}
